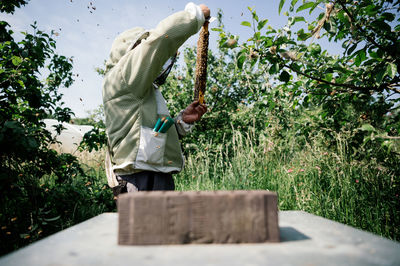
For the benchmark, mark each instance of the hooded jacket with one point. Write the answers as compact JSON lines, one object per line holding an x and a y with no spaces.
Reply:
{"x":133,"y":104}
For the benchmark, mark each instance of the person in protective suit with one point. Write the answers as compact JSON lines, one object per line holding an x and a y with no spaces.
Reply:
{"x":140,"y":156}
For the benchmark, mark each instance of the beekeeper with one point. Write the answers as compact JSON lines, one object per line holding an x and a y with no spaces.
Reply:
{"x":141,"y":156}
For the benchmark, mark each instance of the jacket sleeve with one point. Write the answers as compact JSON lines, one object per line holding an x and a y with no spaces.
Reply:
{"x":141,"y":66}
{"x":182,"y":127}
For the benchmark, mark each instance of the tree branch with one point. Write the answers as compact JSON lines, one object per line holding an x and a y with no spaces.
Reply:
{"x":348,"y":86}
{"x":387,"y":137}
{"x":397,"y":90}
{"x":343,"y":85}
{"x":369,"y":38}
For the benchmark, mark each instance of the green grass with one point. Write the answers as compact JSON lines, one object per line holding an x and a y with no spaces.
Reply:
{"x":323,"y":182}
{"x":305,"y":174}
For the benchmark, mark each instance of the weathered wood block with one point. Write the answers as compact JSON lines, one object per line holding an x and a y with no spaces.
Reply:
{"x":169,"y":217}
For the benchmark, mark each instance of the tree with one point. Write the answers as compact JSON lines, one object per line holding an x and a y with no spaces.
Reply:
{"x":27,"y":210}
{"x":354,"y":93}
{"x":10,"y":5}
{"x":357,"y":90}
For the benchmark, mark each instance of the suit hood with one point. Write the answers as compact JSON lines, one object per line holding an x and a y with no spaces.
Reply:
{"x":124,"y":43}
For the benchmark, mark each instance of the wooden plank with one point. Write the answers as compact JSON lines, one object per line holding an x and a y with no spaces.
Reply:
{"x":171,"y":217}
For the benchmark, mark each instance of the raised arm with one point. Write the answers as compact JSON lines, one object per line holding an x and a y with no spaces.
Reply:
{"x":140,"y":66}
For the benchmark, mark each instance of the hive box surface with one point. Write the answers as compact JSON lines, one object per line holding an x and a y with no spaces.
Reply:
{"x":171,"y":217}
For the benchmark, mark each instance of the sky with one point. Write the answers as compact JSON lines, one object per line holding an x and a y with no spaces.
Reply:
{"x":86,"y":29}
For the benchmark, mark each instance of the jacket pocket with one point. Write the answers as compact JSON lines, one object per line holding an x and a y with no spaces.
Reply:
{"x":151,"y":147}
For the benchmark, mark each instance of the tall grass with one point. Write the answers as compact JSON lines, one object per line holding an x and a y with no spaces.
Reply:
{"x":325,"y":182}
{"x":305,"y":173}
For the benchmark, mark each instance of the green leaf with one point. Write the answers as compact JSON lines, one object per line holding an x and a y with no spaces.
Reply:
{"x":255,"y":17}
{"x":379,"y":24}
{"x":21,"y":83}
{"x":281,"y":3}
{"x":284,"y":76}
{"x":352,"y":48}
{"x":372,"y":9}
{"x":293,"y":20}
{"x":295,"y":104}
{"x":367,"y":127}
{"x":388,"y":145}
{"x":314,"y":6}
{"x":296,"y":67}
{"x":329,"y":77}
{"x":380,"y":75}
{"x":291,"y":8}
{"x":361,"y":56}
{"x":274,"y":69}
{"x":294,"y":2}
{"x":246,"y":23}
{"x":52,"y":219}
{"x":297,"y":19}
{"x":314,"y":48}
{"x":342,"y":18}
{"x":240,"y":61}
{"x":391,"y":70}
{"x":16,"y":60}
{"x":261,"y":24}
{"x":374,"y":55}
{"x":304,"y":6}
{"x":388,"y":16}
{"x":306,"y":101}
{"x":302,"y":36}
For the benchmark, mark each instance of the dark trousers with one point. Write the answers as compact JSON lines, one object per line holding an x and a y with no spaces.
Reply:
{"x":146,"y":181}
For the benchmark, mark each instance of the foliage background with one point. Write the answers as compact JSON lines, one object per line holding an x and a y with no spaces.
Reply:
{"x":42,"y":191}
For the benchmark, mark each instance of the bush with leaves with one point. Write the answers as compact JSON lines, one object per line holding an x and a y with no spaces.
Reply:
{"x":28,"y":209}
{"x":96,"y":138}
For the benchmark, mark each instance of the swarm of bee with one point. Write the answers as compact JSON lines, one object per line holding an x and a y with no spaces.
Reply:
{"x":201,"y":65}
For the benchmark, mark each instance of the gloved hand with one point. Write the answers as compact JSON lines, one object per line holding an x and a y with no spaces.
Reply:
{"x":194,"y":112}
{"x":206,"y":10}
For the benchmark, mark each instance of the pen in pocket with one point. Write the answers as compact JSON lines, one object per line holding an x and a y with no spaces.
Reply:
{"x":159,"y":123}
{"x":166,"y":125}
